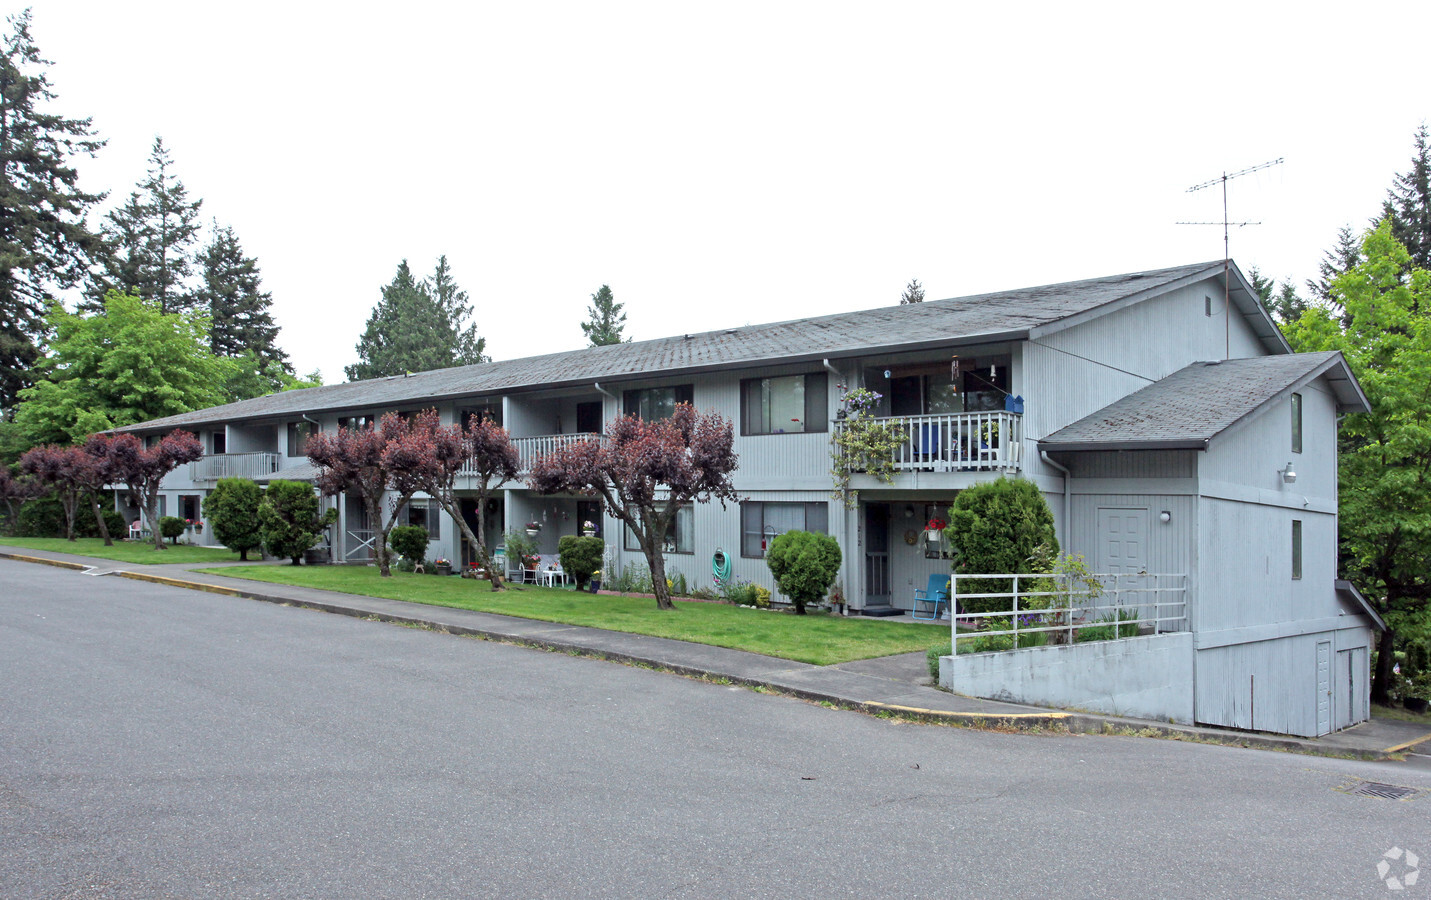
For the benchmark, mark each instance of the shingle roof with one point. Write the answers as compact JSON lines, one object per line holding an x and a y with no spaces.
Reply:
{"x":1004,"y":315}
{"x":1190,"y":407}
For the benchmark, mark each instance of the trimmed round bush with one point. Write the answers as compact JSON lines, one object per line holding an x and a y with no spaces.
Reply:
{"x":994,"y":528}
{"x":804,"y":564}
{"x":410,"y":541}
{"x":581,"y":556}
{"x":171,"y":527}
{"x":232,"y":508}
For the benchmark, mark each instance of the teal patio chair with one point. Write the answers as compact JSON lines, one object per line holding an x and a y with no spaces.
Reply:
{"x":933,"y":600}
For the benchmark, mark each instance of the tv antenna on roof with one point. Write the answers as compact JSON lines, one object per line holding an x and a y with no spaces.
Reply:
{"x":1226,"y":251}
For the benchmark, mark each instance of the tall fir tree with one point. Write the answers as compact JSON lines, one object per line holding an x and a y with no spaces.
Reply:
{"x":44,"y":242}
{"x":231,"y":291}
{"x":606,"y":320}
{"x":913,"y":293}
{"x":1341,"y":258}
{"x":1408,"y":204}
{"x":408,"y":331}
{"x":1282,"y":303}
{"x":468,"y":347}
{"x":149,"y":241}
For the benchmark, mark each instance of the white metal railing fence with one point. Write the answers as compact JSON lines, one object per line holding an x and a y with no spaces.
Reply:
{"x":1059,"y":605}
{"x":977,"y":441}
{"x":233,"y":465}
{"x":529,"y":448}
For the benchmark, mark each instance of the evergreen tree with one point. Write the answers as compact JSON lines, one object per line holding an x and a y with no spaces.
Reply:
{"x":44,"y":243}
{"x":1408,"y":204}
{"x":1345,"y":255}
{"x":468,"y":346}
{"x":149,"y":242}
{"x":1282,"y":304}
{"x":913,"y":293}
{"x":606,"y":319}
{"x":407,"y":332}
{"x":231,"y":291}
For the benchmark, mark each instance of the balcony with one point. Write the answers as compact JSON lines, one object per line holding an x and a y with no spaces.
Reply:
{"x":529,"y":448}
{"x":233,"y":465}
{"x":956,"y":442}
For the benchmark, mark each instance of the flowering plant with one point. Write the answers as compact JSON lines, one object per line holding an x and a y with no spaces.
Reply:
{"x":442,"y":561}
{"x":534,"y":526}
{"x":531,"y":560}
{"x":936,"y":524}
{"x":588,"y":525}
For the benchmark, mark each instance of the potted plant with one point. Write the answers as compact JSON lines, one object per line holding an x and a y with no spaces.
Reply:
{"x":934,"y":530}
{"x":443,"y":565}
{"x":533,"y":528}
{"x":588,"y":528}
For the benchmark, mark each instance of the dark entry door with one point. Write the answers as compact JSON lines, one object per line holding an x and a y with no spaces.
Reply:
{"x":876,"y":554}
{"x":588,"y":417}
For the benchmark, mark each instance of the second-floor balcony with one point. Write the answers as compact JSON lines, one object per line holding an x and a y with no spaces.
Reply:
{"x":530,"y":448}
{"x":233,"y":465}
{"x":956,"y":442}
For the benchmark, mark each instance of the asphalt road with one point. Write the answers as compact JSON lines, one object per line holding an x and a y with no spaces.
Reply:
{"x":159,"y":743}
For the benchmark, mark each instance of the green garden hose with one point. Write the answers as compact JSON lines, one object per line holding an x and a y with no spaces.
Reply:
{"x":720,"y":566}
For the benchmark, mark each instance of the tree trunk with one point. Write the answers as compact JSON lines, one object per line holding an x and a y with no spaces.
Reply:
{"x":656,"y":562}
{"x":479,"y":547}
{"x":70,"y":503}
{"x":1381,"y":678}
{"x":99,"y":517}
{"x":151,"y":512}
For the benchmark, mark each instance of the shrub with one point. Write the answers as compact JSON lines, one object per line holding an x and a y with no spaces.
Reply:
{"x":232,"y":508}
{"x":634,"y":578}
{"x":997,"y":527}
{"x":410,"y":542}
{"x":804,"y":564}
{"x":762,"y":596}
{"x":931,"y":657}
{"x":519,"y":546}
{"x":41,"y":517}
{"x":985,"y":643}
{"x":739,"y":592}
{"x":1123,"y":624}
{"x":114,"y":522}
{"x":289,"y":519}
{"x":171,"y":527}
{"x":581,"y":556}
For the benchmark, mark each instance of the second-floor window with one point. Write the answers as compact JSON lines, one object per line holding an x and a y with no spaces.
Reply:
{"x":1296,"y":549}
{"x":298,"y":433}
{"x":218,"y":442}
{"x":651,"y":404}
{"x":787,"y":404}
{"x":355,"y":423}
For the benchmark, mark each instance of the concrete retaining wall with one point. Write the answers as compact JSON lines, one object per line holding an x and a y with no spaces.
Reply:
{"x":1143,"y":677}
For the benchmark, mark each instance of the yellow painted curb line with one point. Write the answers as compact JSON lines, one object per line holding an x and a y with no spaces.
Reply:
{"x":57,"y":563}
{"x":180,"y":583}
{"x":1409,"y":744}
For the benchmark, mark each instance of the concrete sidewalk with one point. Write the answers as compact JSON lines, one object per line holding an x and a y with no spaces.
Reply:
{"x":896,"y":685}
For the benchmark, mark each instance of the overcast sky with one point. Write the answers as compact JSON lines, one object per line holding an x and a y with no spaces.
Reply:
{"x":735,"y":163}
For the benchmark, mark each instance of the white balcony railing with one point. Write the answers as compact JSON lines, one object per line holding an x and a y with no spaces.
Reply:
{"x":955,"y":442}
{"x":233,"y":465}
{"x":529,"y":448}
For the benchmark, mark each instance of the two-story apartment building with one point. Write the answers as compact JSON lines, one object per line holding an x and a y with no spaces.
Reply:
{"x":1160,"y":412}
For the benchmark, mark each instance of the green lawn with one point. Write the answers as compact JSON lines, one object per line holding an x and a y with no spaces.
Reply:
{"x":816,"y":638}
{"x":125,"y":551}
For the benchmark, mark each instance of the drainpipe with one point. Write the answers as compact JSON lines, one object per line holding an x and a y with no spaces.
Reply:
{"x":1067,"y":510}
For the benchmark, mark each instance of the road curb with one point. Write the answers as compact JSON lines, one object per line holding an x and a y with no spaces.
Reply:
{"x":1051,"y":721}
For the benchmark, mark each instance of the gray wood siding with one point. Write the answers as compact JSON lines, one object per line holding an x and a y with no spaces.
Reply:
{"x":1133,"y":464}
{"x":1169,"y":545}
{"x":1072,"y":373}
{"x":1266,"y":686}
{"x":1252,"y":452}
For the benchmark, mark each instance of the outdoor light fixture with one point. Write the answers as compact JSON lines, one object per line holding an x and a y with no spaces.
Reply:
{"x":1288,"y":476}
{"x":909,"y":511}
{"x":1165,"y":516}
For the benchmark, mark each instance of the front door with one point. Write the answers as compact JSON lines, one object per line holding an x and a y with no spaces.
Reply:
{"x":1122,"y":550}
{"x":877,"y":554}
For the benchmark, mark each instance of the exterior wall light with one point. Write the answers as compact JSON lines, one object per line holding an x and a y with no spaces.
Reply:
{"x":1288,"y":476}
{"x":1165,"y":517}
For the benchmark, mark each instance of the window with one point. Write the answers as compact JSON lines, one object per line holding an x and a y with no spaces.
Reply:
{"x":298,"y":433}
{"x":680,"y":534}
{"x":218,"y":442}
{"x":355,"y":423}
{"x":1296,"y":549}
{"x":791,"y":404}
{"x":1207,"y":305}
{"x":426,"y":514}
{"x":651,"y":404}
{"x":761,"y":523}
{"x":471,"y":415}
{"x":1296,"y":423}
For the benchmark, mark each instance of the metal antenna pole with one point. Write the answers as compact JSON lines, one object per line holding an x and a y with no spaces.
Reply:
{"x":1227,"y":245}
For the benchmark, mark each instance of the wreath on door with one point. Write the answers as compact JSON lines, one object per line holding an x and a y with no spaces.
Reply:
{"x":911,"y":537}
